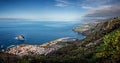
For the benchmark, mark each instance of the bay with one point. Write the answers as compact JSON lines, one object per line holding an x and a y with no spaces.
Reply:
{"x":35,"y":32}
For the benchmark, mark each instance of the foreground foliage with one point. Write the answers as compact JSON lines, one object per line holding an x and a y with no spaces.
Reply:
{"x":111,"y":48}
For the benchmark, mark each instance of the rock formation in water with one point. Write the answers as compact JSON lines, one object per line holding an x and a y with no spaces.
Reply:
{"x":21,"y":37}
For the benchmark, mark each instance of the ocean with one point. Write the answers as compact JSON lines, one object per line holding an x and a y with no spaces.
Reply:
{"x":35,"y":32}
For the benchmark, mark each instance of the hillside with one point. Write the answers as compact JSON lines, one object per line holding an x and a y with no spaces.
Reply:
{"x":85,"y":51}
{"x":101,"y":45}
{"x":7,"y":58}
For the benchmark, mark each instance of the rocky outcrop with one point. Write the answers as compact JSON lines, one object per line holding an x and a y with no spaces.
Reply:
{"x":21,"y":37}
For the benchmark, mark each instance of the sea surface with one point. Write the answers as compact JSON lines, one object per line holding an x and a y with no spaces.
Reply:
{"x":35,"y":32}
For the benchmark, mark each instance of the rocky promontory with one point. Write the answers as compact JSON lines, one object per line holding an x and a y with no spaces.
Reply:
{"x":86,"y":28}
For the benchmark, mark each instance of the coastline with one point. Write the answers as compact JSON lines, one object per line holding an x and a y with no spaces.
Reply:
{"x":86,"y":28}
{"x":26,"y":49}
{"x":44,"y":49}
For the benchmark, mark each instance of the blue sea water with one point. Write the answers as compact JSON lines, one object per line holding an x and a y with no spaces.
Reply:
{"x":35,"y":32}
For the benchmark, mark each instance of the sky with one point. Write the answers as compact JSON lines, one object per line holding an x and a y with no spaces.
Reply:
{"x":59,"y":10}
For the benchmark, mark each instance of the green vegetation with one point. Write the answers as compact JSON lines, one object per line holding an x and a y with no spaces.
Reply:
{"x":81,"y":29}
{"x":102,"y":29}
{"x":111,"y":48}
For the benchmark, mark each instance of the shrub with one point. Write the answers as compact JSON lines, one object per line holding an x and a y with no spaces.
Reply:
{"x":111,"y":47}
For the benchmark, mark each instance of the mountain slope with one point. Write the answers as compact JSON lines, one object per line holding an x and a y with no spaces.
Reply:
{"x":89,"y":46}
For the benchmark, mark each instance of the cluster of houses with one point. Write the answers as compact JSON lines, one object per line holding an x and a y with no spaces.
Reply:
{"x":39,"y":49}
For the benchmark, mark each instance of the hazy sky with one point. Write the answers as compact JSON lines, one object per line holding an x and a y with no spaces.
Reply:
{"x":59,"y":10}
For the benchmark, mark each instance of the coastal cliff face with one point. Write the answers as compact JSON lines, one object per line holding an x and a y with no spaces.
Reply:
{"x":101,"y":45}
{"x":103,"y":27}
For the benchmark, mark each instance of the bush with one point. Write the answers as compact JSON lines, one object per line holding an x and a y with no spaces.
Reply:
{"x":111,"y":47}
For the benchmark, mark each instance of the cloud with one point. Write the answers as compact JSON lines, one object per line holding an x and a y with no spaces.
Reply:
{"x":95,"y":9}
{"x":87,"y":7}
{"x":108,"y":11}
{"x":96,"y":2}
{"x":101,"y":10}
{"x":90,"y":4}
{"x":62,"y":3}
